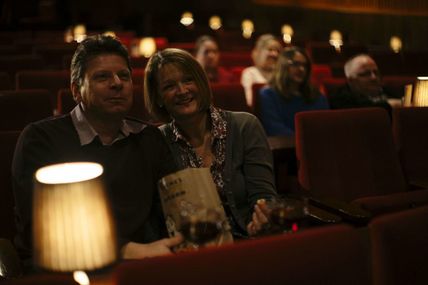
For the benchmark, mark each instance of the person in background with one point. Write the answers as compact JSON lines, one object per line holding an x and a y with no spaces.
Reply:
{"x":134,"y":155}
{"x":208,"y":55}
{"x":288,"y":93}
{"x":363,"y":87}
{"x":265,"y":54}
{"x":232,"y":144}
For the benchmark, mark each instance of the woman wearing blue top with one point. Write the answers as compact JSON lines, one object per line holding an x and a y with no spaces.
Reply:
{"x":288,"y":93}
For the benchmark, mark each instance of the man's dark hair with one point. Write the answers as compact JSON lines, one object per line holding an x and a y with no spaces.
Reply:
{"x":91,"y":47}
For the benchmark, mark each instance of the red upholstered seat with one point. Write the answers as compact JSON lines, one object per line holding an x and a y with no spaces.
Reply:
{"x":349,"y":155}
{"x":5,"y":82}
{"x":230,"y":97}
{"x":21,"y":107}
{"x":232,"y":59}
{"x":8,"y":141}
{"x":256,"y":95}
{"x":328,"y":255}
{"x":400,"y":247}
{"x":52,"y":80}
{"x":411,"y":137}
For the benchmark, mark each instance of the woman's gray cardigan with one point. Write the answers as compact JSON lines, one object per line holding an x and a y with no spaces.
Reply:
{"x":248,"y":174}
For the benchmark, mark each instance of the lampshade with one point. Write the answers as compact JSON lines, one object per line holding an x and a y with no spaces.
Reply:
{"x":186,"y":19}
{"x":79,"y":32}
{"x":396,"y":44}
{"x":247,"y":28}
{"x":420,"y":94}
{"x":72,"y":222}
{"x":287,"y":33}
{"x":215,"y":22}
{"x":407,"y":99}
{"x":336,"y":40}
{"x":147,"y":47}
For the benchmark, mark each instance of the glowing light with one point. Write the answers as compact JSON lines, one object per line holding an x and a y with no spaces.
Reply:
{"x":68,"y":35}
{"x":186,"y":19}
{"x":79,"y":33}
{"x":215,"y":22}
{"x":81,"y":277}
{"x":287,"y":33}
{"x":336,"y":40}
{"x":247,"y":28}
{"x":109,"y":33}
{"x":68,"y":172}
{"x":396,"y":44}
{"x":147,"y":47}
{"x":422,"y":77}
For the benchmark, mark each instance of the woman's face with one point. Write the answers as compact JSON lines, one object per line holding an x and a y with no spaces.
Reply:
{"x":179,"y":92}
{"x":208,"y":55}
{"x":297,"y":68}
{"x":268,"y":55}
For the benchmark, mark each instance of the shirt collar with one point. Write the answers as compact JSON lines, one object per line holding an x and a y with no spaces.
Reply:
{"x":218,"y":123}
{"x":87,"y":133}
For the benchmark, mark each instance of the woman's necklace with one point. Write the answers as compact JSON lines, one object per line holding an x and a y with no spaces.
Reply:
{"x":204,"y":151}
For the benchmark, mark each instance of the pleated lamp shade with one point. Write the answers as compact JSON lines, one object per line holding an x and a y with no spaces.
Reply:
{"x":420,"y":94}
{"x":407,"y":99}
{"x":73,"y":227}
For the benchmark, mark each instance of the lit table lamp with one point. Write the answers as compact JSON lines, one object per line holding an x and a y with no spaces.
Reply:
{"x":407,"y":99}
{"x":420,"y":92}
{"x":73,"y":227}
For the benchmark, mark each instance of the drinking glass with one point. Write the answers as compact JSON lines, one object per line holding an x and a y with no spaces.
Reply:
{"x":200,"y":226}
{"x":286,"y":215}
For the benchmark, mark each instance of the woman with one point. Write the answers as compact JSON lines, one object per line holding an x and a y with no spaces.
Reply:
{"x":208,"y":55}
{"x":288,"y":93}
{"x":265,"y":55}
{"x":233,"y":145}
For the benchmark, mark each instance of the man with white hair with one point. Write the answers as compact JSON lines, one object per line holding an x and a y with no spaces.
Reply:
{"x":363,"y":88}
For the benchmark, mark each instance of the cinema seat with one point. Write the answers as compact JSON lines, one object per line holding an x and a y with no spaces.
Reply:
{"x":327,"y":255}
{"x":400,"y":247}
{"x":349,"y":155}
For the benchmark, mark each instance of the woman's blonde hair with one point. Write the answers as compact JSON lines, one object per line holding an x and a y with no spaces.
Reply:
{"x":261,"y":43}
{"x":185,"y":62}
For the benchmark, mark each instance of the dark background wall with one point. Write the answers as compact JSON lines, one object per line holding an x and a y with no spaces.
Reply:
{"x":160,"y":18}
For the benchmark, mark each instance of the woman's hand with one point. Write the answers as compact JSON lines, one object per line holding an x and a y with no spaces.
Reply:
{"x":133,"y":250}
{"x":260,"y":218}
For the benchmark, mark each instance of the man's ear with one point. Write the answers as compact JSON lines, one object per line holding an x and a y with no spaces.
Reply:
{"x":75,"y":90}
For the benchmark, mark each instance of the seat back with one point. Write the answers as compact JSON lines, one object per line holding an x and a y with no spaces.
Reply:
{"x":230,"y":97}
{"x":52,"y":80}
{"x":7,"y":142}
{"x":411,"y":137}
{"x":286,"y":259}
{"x":21,"y":107}
{"x":347,"y":154}
{"x":400,"y":247}
{"x":256,"y":98}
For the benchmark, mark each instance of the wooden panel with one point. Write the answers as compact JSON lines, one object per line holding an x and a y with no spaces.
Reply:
{"x":394,"y":7}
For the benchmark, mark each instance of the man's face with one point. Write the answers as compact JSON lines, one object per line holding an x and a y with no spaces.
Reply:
{"x":364,"y":77}
{"x":208,"y":55}
{"x":106,"y":89}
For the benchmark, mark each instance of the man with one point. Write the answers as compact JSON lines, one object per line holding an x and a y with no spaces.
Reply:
{"x":134,"y":155}
{"x":363,"y":88}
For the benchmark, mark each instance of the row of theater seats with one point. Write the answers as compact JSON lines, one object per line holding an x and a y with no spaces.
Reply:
{"x":352,"y":156}
{"x":391,"y":250}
